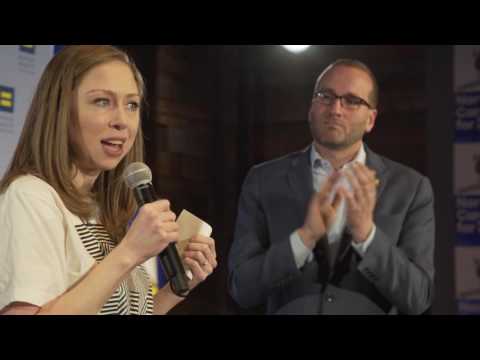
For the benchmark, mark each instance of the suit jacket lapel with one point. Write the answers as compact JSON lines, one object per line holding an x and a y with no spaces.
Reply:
{"x":300,"y":180}
{"x":376,"y":163}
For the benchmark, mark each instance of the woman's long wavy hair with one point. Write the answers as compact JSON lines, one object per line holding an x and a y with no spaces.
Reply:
{"x":44,"y":148}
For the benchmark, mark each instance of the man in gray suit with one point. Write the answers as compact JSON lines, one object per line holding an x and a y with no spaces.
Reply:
{"x":336,"y":228}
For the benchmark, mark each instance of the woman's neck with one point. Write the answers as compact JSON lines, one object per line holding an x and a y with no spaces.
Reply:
{"x":84,"y":180}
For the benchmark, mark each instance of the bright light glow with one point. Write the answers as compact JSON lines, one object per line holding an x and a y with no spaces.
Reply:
{"x":296,"y":48}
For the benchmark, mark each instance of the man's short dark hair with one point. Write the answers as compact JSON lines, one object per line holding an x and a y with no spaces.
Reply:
{"x":360,"y":66}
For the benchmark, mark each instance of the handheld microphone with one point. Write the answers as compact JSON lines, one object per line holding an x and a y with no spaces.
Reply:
{"x":138,"y":177}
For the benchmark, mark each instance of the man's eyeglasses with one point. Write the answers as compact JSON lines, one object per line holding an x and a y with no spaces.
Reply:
{"x":350,"y":102}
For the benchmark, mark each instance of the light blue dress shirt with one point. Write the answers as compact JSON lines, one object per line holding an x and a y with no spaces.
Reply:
{"x":321,"y":170}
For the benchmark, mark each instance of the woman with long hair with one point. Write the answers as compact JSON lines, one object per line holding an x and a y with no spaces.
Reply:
{"x":64,"y":207}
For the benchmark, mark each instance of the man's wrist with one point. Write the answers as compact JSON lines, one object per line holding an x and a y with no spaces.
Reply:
{"x":359,"y":237}
{"x":308,"y":238}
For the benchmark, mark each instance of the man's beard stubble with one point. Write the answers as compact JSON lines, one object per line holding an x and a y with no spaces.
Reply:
{"x":353,"y":137}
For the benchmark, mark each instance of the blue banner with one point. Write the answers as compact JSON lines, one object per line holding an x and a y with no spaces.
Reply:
{"x":468,"y":220}
{"x":467,"y":116}
{"x":20,"y":69}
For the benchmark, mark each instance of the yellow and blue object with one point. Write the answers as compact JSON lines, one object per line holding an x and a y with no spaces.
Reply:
{"x":7,"y":99}
{"x":30,"y":49}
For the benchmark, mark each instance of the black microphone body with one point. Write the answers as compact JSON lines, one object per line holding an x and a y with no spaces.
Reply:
{"x":169,"y":258}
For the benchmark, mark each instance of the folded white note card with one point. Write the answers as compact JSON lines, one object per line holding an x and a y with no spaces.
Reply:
{"x":190,"y":226}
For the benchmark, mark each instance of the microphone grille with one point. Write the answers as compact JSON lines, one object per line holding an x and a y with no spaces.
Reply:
{"x":137,"y":174}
